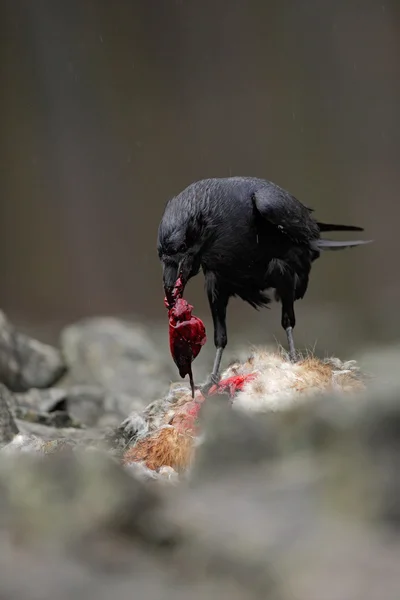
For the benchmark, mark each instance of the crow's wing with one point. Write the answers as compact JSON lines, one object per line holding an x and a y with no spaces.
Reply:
{"x":286,"y":213}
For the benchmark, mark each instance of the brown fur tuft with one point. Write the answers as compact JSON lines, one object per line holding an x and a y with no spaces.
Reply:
{"x":167,"y":448}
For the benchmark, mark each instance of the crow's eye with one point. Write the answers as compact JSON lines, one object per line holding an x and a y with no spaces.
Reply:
{"x":182,"y":248}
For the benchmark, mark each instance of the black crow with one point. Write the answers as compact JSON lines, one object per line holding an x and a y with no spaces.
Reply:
{"x":249,"y":236}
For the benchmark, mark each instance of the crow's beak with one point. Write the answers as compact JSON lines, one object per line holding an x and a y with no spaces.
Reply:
{"x":186,"y":268}
{"x":170,"y":275}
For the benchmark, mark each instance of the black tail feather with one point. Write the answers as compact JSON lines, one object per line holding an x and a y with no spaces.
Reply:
{"x":332,"y":227}
{"x":335,"y":245}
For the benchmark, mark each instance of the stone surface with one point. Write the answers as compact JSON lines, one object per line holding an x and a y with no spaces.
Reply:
{"x":8,"y":426}
{"x":25,"y":362}
{"x":117,"y":356}
{"x":85,"y":404}
{"x":27,"y":443}
{"x":47,"y":400}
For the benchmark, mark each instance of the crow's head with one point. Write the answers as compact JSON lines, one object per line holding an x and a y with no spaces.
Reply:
{"x":181,"y":239}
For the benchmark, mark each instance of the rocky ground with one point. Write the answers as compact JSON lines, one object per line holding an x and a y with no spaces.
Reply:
{"x":114,"y":483}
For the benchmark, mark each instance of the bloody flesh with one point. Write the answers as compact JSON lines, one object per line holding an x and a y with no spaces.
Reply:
{"x":187,"y":333}
{"x":231,"y":385}
{"x":176,"y":293}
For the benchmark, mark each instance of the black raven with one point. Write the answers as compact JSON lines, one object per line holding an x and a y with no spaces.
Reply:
{"x":249,"y":236}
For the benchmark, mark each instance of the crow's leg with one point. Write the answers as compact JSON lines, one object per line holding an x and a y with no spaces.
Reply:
{"x":217,"y":363}
{"x":218,"y":304}
{"x":288,"y":320}
{"x":292,"y":350}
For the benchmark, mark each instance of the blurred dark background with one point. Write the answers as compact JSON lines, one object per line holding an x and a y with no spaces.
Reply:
{"x":109,"y":108}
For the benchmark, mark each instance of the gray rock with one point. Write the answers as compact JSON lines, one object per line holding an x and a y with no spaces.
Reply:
{"x":48,"y":400}
{"x":89,"y":528}
{"x":88,"y":405}
{"x":28,"y":443}
{"x":8,"y":426}
{"x":93,"y":492}
{"x":84,"y":404}
{"x":25,"y":362}
{"x":119,"y":357}
{"x":46,"y":407}
{"x":121,"y":404}
{"x":46,"y":445}
{"x":49,"y":432}
{"x":56,"y":419}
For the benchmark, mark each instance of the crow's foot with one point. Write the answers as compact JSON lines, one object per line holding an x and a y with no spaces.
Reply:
{"x":210,"y":381}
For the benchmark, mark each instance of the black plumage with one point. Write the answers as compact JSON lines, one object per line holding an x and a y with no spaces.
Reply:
{"x":248,"y":235}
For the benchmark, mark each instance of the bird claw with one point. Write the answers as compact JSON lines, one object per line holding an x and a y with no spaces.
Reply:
{"x":211,"y":380}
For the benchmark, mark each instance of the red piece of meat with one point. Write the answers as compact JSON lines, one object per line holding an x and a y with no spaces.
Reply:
{"x":176,"y":293}
{"x":187,"y":334}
